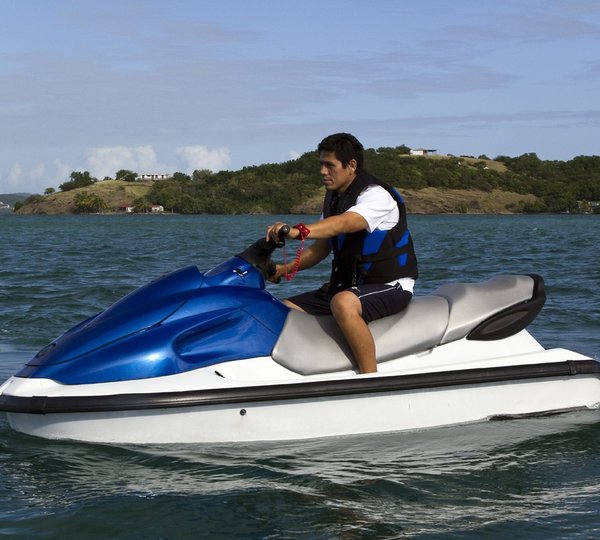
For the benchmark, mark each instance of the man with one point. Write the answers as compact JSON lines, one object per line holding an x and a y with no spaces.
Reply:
{"x":374,"y":266}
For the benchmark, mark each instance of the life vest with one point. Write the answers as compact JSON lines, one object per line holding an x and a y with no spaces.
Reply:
{"x":379,"y":256}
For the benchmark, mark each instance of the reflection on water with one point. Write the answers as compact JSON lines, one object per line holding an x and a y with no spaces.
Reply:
{"x":392,"y":459}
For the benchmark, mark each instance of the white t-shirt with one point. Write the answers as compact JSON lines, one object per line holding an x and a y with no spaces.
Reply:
{"x":380,"y":211}
{"x":378,"y":208}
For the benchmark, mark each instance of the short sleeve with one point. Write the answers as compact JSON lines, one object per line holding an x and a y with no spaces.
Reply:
{"x":378,"y":207}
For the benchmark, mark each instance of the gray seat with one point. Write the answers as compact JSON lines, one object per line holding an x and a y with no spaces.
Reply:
{"x":473,"y":303}
{"x":310,"y":345}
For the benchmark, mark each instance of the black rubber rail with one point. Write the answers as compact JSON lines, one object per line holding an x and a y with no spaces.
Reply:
{"x":296,"y":391}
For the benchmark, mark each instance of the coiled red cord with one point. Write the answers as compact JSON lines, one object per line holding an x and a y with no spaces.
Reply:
{"x":304,"y":232}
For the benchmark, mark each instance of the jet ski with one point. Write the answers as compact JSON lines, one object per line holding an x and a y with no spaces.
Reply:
{"x":213,"y":357}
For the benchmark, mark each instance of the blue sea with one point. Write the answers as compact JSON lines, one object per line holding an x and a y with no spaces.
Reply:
{"x":534,"y":478}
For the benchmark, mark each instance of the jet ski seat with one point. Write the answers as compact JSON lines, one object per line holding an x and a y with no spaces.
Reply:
{"x":310,"y":345}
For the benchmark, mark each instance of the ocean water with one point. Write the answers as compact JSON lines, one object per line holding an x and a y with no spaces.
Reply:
{"x":534,"y":478}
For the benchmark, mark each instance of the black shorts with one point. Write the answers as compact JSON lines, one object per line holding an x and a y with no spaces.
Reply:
{"x":377,"y":300}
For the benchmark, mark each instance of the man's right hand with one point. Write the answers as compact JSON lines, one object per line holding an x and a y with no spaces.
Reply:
{"x":273,"y":232}
{"x":279,"y":273}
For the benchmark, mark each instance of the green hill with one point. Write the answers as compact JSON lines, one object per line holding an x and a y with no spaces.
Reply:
{"x":116,"y":194}
{"x":430,"y":184}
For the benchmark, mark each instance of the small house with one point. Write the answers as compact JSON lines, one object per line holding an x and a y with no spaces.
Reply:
{"x":153,"y":177}
{"x":422,"y":151}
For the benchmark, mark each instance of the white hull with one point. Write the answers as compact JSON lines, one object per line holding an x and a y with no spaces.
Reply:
{"x":305,"y":419}
{"x":286,"y":417}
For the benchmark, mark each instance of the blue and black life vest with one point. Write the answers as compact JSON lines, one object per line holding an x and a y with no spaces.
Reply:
{"x":369,"y":257}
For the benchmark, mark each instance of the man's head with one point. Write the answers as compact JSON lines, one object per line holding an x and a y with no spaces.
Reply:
{"x":341,"y":158}
{"x":345,"y":147}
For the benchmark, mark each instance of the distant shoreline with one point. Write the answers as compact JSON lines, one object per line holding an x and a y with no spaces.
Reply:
{"x":424,"y":201}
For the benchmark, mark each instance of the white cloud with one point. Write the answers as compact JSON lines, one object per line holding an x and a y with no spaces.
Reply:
{"x":106,"y":161}
{"x":200,"y":157}
{"x":34,"y":179}
{"x":15,"y":176}
{"x":62,"y":171}
{"x":294,"y":154}
{"x":38,"y":172}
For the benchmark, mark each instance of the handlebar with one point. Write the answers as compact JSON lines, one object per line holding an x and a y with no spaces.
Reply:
{"x":259,"y":253}
{"x":285,"y":229}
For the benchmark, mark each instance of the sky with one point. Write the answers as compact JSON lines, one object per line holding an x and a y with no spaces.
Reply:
{"x":163,"y":86}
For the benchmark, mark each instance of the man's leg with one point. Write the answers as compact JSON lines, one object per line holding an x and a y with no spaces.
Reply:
{"x":313,"y":302}
{"x":291,"y":305}
{"x":347,"y":311}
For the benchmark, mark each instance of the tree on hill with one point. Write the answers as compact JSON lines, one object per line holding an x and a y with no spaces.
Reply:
{"x":79,"y":179}
{"x":126,"y":175}
{"x":181,"y":177}
{"x":201,"y":175}
{"x":141,"y":206}
{"x":88,"y":203}
{"x":32,"y":199}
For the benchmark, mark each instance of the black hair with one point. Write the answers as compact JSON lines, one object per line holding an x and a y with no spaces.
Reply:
{"x":345,"y":147}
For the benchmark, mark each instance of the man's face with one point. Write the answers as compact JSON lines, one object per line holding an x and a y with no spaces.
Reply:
{"x":334,"y":175}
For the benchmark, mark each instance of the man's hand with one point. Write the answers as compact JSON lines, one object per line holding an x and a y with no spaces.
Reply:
{"x":273,"y":232}
{"x":279,"y":273}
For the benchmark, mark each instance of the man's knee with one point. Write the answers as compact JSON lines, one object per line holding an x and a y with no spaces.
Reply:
{"x":344,"y":305}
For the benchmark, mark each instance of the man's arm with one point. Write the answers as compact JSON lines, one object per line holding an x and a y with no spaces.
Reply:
{"x":320,"y":231}
{"x":312,"y":255}
{"x":345,"y":223}
{"x":348,"y":222}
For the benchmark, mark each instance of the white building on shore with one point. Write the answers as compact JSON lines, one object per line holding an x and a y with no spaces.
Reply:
{"x":422,"y":151}
{"x":153,"y":176}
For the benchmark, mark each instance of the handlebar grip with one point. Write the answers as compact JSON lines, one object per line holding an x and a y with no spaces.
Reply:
{"x":284,"y":231}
